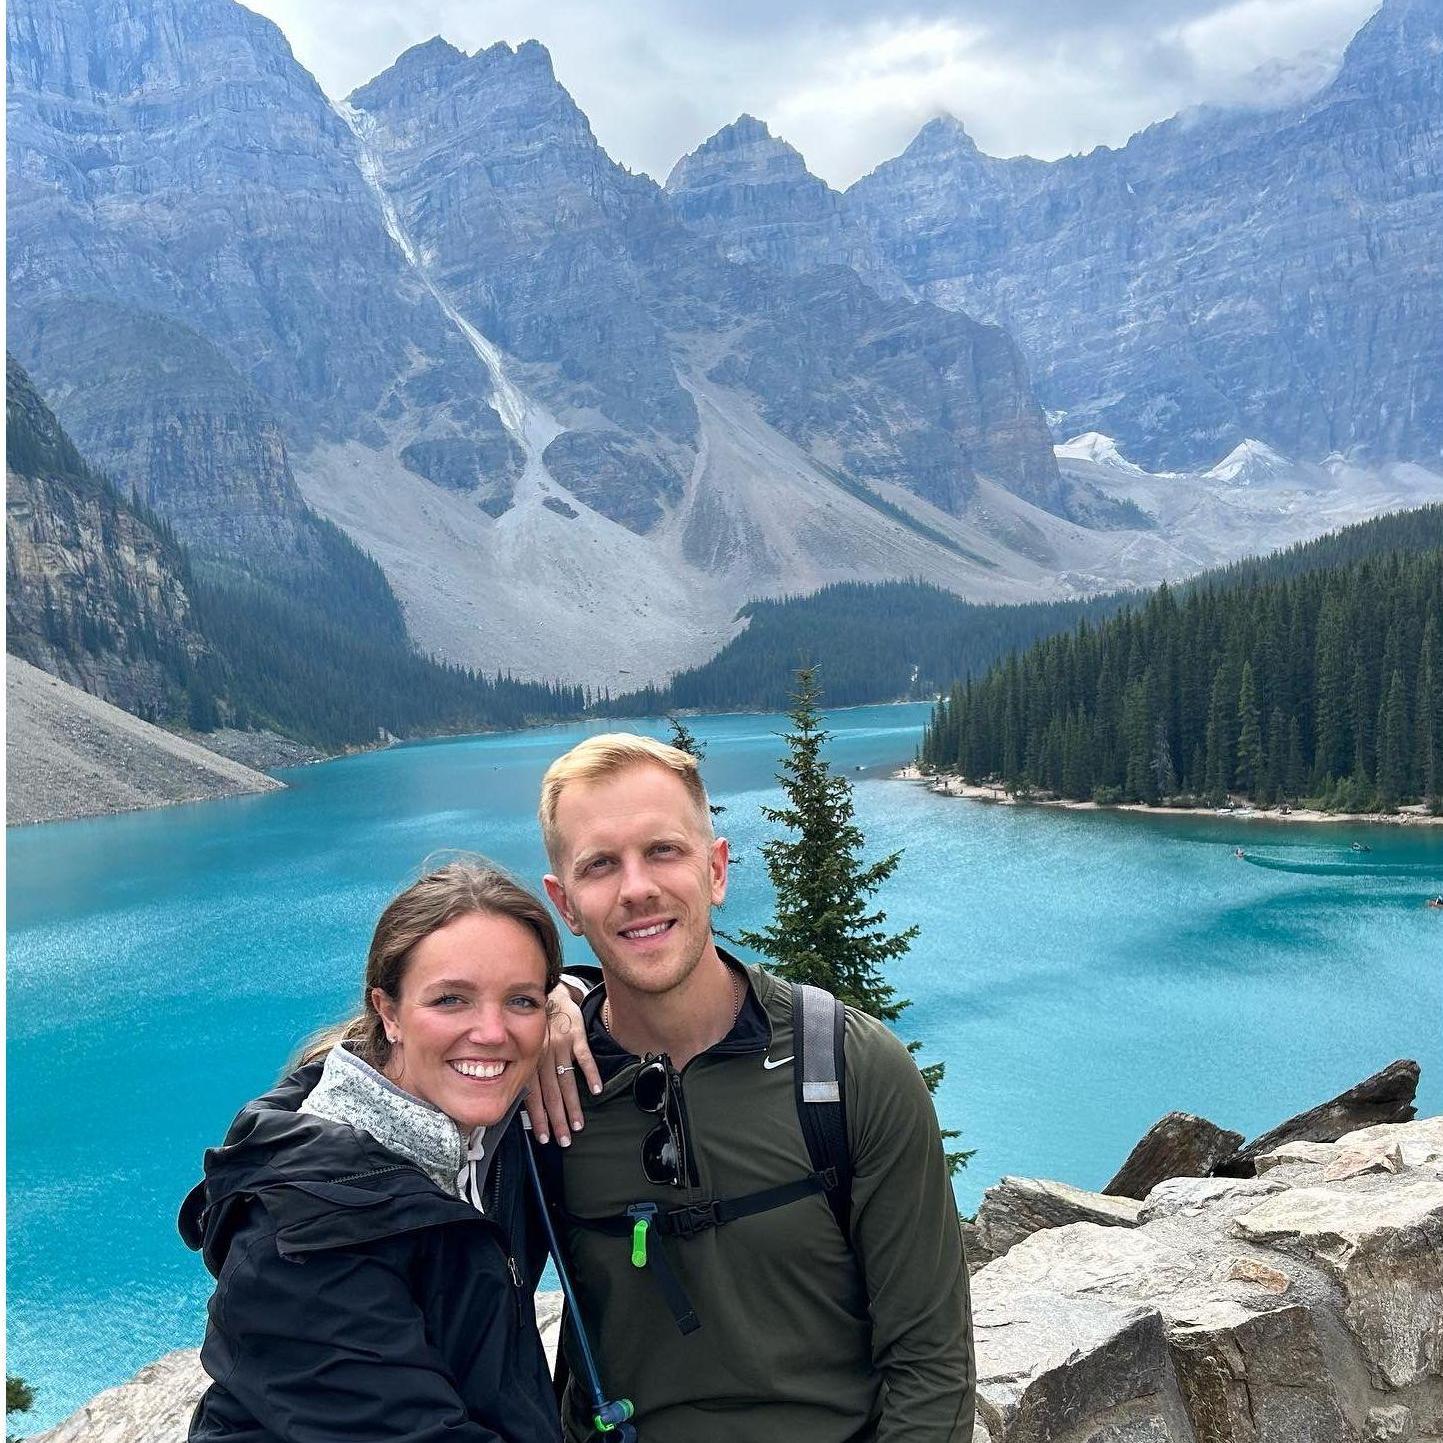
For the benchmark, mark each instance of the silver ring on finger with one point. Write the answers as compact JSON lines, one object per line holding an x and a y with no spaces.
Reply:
{"x":562,"y":1071}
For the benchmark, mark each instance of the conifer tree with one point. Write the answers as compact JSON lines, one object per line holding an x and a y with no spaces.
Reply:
{"x":1250,"y":737}
{"x":684,"y":740}
{"x":1393,"y":744}
{"x":1428,"y":723}
{"x":826,"y":931}
{"x":19,"y":1398}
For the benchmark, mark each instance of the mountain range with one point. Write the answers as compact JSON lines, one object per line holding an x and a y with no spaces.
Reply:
{"x":578,"y":417}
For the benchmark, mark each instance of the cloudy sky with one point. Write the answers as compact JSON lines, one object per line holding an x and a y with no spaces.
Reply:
{"x":849,"y":82}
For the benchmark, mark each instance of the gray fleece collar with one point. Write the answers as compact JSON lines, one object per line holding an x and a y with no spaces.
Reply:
{"x":352,"y":1092}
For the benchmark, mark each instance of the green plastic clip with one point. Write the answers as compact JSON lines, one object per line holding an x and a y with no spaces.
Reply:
{"x":616,"y":1412}
{"x":642,"y":1216}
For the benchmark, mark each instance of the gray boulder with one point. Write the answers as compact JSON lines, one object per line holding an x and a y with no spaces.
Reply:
{"x":1178,"y":1145}
{"x":1017,"y":1207}
{"x":1385,"y":1097}
{"x":1381,"y":1239}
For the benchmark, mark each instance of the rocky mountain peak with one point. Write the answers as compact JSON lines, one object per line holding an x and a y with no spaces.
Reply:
{"x":429,"y":55}
{"x":1248,"y":463}
{"x":509,"y":89}
{"x":742,"y":153}
{"x":942,"y":137}
{"x":1400,"y":45}
{"x":128,"y":49}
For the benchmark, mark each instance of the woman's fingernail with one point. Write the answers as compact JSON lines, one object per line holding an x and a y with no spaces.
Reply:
{"x":596,"y":1087}
{"x":577,"y":1124}
{"x":564,"y":1141}
{"x":543,"y":1137}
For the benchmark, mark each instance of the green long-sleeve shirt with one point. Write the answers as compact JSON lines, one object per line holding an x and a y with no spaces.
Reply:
{"x":803,"y":1339}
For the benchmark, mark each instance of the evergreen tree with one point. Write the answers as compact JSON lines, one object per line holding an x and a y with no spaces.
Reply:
{"x":825,"y":930}
{"x":1249,"y":771}
{"x":1428,"y":721}
{"x":684,"y":740}
{"x":1164,"y":774}
{"x":19,"y":1398}
{"x":1393,"y":744}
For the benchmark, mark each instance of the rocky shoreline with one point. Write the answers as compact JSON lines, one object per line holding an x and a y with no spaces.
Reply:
{"x":1286,"y":1291}
{"x":70,"y":755}
{"x":953,"y":786}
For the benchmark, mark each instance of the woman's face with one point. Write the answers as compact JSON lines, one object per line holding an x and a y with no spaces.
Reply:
{"x":470,"y":1021}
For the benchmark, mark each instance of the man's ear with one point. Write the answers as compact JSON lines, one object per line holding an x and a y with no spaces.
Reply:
{"x":717,"y":865}
{"x":561,"y":902}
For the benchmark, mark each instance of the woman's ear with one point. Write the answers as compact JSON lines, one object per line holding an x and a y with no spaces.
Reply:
{"x":386,"y":1010}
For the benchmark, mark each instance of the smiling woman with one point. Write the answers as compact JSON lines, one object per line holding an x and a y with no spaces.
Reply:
{"x":360,"y":1163}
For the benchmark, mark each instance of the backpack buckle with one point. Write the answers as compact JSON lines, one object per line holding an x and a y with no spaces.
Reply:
{"x":687,"y":1222}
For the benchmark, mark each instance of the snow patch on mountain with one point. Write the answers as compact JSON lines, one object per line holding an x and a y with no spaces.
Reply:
{"x":1101,"y":450}
{"x":1250,"y":463}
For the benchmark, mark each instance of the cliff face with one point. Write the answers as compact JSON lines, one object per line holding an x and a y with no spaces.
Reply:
{"x":446,"y":318}
{"x":95,"y":594}
{"x":620,"y":296}
{"x":1225,"y":275}
{"x":753,"y":193}
{"x":198,"y":273}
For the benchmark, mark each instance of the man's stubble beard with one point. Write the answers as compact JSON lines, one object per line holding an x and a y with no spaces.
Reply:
{"x":639,"y":978}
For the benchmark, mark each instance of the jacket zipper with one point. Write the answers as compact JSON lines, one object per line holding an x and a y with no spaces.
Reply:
{"x":374,"y":1172}
{"x":511,"y":1265}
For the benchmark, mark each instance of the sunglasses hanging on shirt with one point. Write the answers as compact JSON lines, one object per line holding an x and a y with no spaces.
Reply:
{"x":663,"y":1150}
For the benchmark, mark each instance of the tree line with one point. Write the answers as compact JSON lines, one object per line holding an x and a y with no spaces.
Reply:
{"x":872,"y":641}
{"x":1321,"y":685}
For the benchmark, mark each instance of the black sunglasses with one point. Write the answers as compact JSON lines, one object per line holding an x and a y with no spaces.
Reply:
{"x":663,"y":1153}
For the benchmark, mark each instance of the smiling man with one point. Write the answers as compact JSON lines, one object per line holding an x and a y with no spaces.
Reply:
{"x":741,"y":1288}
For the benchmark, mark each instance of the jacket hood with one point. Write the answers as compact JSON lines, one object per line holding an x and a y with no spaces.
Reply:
{"x":323,"y":1183}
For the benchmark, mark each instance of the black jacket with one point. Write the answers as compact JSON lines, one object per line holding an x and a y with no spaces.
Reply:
{"x":356,"y":1301}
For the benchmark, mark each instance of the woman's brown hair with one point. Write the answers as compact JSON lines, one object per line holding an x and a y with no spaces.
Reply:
{"x":458,"y":889}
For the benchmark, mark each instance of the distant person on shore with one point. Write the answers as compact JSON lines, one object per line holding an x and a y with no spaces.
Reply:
{"x":740,"y":1290}
{"x":367,"y":1220}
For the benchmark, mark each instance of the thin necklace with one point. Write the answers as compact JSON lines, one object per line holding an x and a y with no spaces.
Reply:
{"x":738,"y":992}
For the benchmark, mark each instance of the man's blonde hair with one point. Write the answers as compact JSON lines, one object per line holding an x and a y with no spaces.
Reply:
{"x":600,"y":757}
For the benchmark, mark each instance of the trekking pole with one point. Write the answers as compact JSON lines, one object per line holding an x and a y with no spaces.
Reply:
{"x":610,"y":1416}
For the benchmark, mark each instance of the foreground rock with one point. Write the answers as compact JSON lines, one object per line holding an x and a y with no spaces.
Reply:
{"x":1017,"y":1207}
{"x":69,"y":754}
{"x":1300,"y":1306}
{"x":1385,"y":1097}
{"x":1178,"y":1145}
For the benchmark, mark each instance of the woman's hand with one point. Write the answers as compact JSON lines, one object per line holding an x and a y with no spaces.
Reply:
{"x":553,"y":1101}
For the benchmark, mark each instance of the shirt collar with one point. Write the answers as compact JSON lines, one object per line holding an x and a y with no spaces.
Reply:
{"x":751,"y":1032}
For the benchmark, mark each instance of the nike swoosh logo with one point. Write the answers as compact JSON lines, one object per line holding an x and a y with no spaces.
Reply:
{"x":768,"y":1064}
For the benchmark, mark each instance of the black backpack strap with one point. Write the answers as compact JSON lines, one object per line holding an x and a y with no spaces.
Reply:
{"x":819,"y":1024}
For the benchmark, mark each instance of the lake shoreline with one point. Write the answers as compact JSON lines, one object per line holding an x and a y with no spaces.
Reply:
{"x":952,"y":786}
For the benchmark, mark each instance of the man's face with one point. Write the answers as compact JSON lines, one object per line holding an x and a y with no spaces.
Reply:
{"x":637,"y":874}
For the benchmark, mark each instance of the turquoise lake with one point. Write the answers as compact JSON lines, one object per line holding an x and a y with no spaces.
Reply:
{"x":1081,"y":974}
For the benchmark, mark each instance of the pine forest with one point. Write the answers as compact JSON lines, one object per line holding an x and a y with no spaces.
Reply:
{"x":1316,"y":686}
